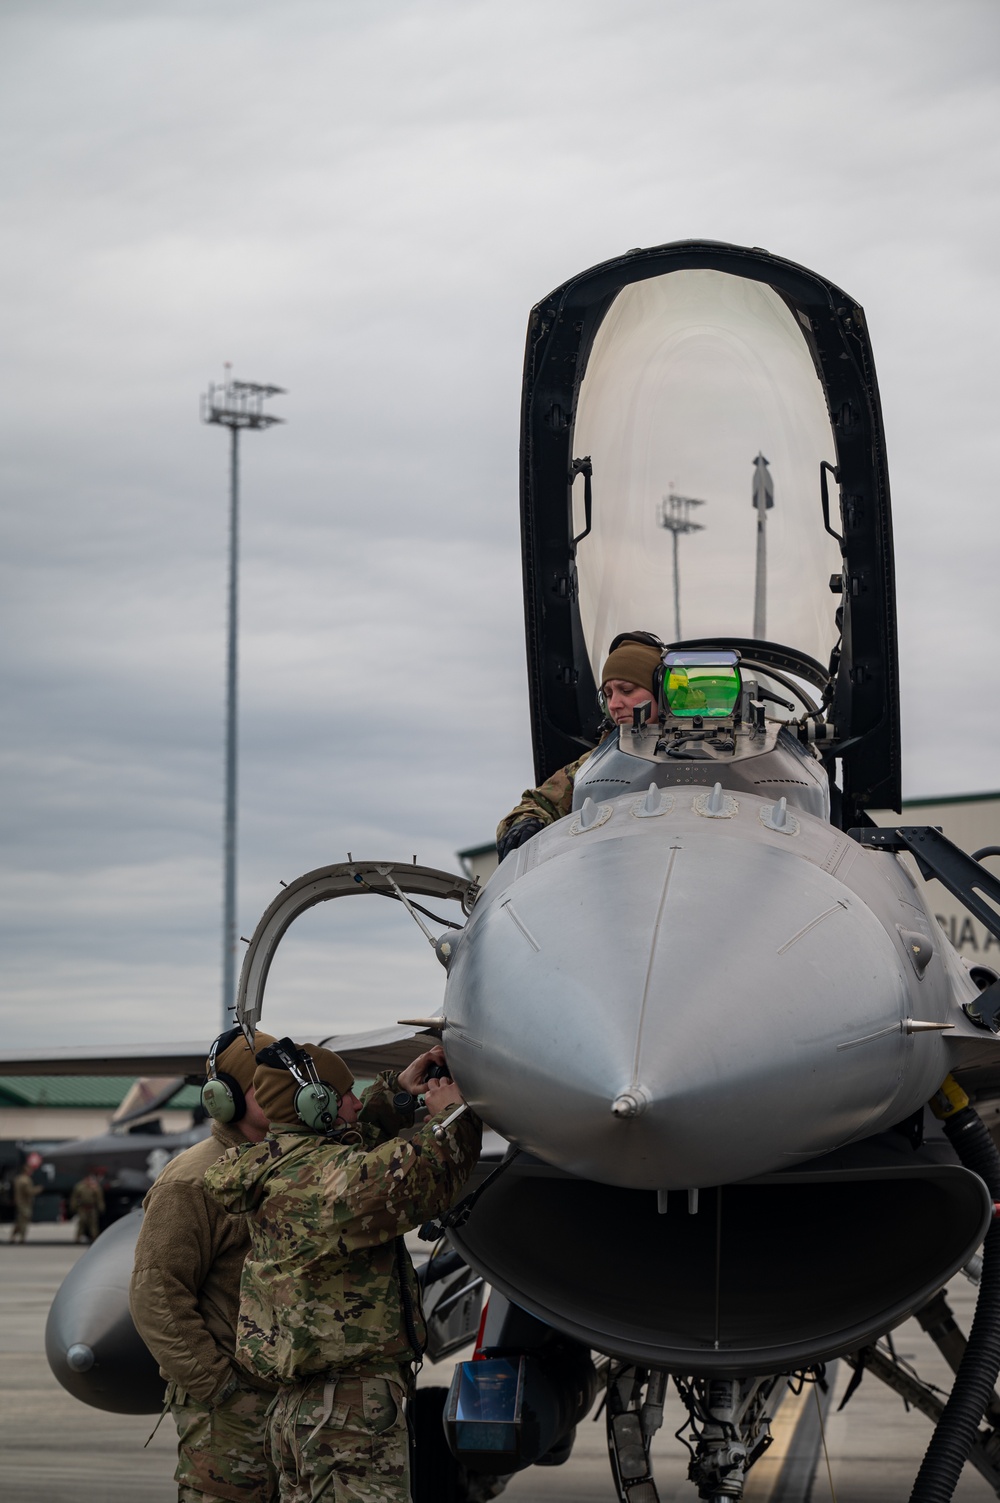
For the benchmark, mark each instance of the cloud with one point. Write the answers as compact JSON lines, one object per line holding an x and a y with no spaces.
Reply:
{"x":361,"y":205}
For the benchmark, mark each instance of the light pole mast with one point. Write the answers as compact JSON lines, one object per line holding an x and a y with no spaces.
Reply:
{"x":763,"y":500}
{"x":233,"y":405}
{"x":675,"y":516}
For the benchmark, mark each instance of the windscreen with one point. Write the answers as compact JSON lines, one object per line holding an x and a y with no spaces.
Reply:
{"x":701,"y":684}
{"x":706,"y":423}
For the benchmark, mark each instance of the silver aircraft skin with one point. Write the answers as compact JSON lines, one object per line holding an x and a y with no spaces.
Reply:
{"x":669,"y":1007}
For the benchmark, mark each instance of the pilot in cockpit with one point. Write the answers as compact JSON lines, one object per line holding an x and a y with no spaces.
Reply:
{"x":627,"y":683}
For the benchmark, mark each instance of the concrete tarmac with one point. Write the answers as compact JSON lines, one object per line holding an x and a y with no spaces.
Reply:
{"x":55,"y":1450}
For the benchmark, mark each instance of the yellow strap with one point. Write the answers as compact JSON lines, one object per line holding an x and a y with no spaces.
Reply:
{"x":948,"y":1100}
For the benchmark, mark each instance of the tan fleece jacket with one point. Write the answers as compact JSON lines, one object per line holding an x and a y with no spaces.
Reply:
{"x":185,"y":1291}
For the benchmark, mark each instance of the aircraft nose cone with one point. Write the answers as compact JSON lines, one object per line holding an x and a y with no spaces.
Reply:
{"x":80,"y":1357}
{"x":630,"y":1103}
{"x":680,"y":1009}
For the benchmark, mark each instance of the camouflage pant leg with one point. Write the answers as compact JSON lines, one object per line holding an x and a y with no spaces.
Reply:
{"x":88,"y":1223}
{"x":342,"y":1442}
{"x":21,"y":1224}
{"x":221,"y":1452}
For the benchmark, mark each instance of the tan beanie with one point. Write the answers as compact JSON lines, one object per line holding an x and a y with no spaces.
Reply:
{"x":239,"y":1060}
{"x":634,"y":662}
{"x":275,"y":1089}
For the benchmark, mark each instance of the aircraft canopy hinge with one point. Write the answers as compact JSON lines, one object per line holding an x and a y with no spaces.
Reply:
{"x":984,"y":1011}
{"x":937,"y":856}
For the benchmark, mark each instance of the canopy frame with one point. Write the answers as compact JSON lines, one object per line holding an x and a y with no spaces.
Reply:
{"x":865,"y":689}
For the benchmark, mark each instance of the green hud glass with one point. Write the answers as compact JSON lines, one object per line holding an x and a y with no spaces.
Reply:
{"x":704,"y":684}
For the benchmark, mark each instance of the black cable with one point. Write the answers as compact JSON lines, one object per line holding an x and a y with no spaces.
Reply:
{"x":679,"y":1435}
{"x":406,"y":1303}
{"x":458,"y":1215}
{"x":690,"y":1423}
{"x":975,"y":1380}
{"x":803,"y":1375}
{"x":420,"y":909}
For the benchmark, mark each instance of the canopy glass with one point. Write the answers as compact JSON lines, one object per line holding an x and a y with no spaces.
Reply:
{"x":706,"y":424}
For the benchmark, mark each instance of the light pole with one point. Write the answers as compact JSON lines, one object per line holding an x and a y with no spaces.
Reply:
{"x":233,"y":405}
{"x":763,"y":500}
{"x":675,"y":516}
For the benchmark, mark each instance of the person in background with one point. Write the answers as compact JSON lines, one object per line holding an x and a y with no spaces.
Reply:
{"x":25,"y":1191}
{"x":86,"y":1203}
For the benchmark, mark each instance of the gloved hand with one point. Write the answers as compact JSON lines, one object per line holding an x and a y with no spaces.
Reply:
{"x":517,"y":835}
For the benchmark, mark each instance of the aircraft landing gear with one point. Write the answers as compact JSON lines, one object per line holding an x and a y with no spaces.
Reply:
{"x":631,"y":1427}
{"x":729,"y":1431}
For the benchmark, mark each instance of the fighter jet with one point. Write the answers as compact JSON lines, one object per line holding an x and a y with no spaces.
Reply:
{"x":708,"y":1009}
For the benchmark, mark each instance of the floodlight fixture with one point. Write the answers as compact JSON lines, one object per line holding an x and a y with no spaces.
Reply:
{"x":675,"y":516}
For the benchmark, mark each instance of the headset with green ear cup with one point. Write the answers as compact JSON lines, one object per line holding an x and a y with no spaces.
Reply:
{"x":316,"y":1104}
{"x":222,"y":1095}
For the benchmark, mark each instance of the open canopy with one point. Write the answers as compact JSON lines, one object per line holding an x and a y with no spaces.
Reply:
{"x":686,"y":411}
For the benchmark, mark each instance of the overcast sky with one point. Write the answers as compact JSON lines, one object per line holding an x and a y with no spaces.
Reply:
{"x":361,"y":203}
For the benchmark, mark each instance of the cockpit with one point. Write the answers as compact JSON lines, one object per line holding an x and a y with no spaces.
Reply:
{"x":703,"y":458}
{"x":711,"y":722}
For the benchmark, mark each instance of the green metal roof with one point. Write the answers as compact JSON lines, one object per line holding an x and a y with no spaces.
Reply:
{"x":187,"y":1098}
{"x":88,"y":1092}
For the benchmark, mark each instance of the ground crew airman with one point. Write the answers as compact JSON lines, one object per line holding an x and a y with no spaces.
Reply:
{"x":626,"y":682}
{"x":184,"y":1299}
{"x":330,"y":1306}
{"x":25,"y":1191}
{"x":86,"y":1202}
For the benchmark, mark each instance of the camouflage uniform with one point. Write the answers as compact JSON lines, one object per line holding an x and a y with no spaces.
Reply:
{"x":550,"y":802}
{"x":221,"y":1446}
{"x":329,"y":1302}
{"x":184,"y":1298}
{"x":86,"y":1201}
{"x":342,"y":1438}
{"x":25,"y":1191}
